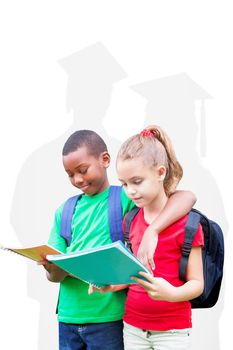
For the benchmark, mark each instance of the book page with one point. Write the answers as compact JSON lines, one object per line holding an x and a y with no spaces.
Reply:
{"x":36,"y":253}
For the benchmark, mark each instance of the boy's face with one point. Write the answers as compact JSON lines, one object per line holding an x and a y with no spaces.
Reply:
{"x":87,"y":172}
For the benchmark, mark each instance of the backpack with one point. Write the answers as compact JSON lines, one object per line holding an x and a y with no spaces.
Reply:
{"x":212,"y":254}
{"x":115,"y":215}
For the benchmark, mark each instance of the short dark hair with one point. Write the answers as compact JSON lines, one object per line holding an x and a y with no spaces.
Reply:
{"x":87,"y":138}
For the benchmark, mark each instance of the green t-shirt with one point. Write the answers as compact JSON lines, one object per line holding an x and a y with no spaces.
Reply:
{"x":90,"y":229}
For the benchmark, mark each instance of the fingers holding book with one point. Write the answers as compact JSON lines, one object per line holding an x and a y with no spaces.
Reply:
{"x":106,"y":289}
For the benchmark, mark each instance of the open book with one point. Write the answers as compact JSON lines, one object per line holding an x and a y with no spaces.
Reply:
{"x":36,"y":253}
{"x":109,"y":264}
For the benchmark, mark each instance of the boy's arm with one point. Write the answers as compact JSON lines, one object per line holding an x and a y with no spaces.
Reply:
{"x":53,"y":272}
{"x":178,"y":205}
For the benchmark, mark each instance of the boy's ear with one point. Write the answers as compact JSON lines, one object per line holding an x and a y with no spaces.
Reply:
{"x":162,"y":172}
{"x":105,"y":159}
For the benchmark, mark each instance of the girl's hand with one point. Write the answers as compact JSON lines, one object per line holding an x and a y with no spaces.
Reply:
{"x":160,"y":289}
{"x":147,"y":248}
{"x":157,"y":288}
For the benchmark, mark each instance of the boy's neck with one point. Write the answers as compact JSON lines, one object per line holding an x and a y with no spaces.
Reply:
{"x":103,"y":187}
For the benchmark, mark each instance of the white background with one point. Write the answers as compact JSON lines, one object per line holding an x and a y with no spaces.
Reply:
{"x":150,"y":39}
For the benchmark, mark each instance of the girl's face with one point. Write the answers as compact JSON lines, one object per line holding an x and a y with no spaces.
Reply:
{"x":87,"y":172}
{"x":143,"y":184}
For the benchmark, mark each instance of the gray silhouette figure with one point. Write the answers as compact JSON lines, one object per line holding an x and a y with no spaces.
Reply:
{"x":171,"y":103}
{"x":42,"y":184}
{"x":91,"y":77}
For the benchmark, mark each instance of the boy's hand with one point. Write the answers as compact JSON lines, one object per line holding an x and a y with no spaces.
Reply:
{"x":102,"y":290}
{"x":147,"y":248}
{"x":54,"y":273}
{"x":46,"y":264}
{"x":157,"y":288}
{"x":106,"y":289}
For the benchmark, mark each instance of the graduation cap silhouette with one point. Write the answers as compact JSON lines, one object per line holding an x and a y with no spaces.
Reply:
{"x":91,"y":73}
{"x":93,"y":63}
{"x":175,"y":92}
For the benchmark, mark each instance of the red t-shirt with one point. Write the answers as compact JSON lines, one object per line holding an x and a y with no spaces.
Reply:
{"x":143,"y":312}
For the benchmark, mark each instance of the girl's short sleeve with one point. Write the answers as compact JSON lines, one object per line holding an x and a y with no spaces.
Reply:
{"x":199,"y":237}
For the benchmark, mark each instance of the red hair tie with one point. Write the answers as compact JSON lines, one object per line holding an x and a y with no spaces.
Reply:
{"x":147,"y":133}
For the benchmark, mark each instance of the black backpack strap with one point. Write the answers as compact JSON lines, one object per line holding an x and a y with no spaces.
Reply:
{"x":191,"y":228}
{"x":66,"y":218}
{"x":128,"y":220}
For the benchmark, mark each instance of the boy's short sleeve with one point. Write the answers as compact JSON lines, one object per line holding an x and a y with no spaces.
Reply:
{"x":55,"y":239}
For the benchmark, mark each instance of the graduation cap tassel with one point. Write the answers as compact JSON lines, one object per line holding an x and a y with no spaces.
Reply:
{"x":203,"y":129}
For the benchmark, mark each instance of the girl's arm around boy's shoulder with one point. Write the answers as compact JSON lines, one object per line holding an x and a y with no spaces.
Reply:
{"x":177,"y":206}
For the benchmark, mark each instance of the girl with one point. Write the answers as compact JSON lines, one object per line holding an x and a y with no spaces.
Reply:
{"x":158,"y":311}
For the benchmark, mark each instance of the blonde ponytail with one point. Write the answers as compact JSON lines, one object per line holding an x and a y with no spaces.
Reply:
{"x":174,"y":169}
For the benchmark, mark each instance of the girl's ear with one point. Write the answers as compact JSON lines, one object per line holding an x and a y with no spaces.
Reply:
{"x":105,"y":159}
{"x":162,"y":172}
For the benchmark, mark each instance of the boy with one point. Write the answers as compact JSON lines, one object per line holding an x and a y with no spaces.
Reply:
{"x":95,"y":321}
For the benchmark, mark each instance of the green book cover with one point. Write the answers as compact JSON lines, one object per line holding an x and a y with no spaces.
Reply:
{"x":109,"y":264}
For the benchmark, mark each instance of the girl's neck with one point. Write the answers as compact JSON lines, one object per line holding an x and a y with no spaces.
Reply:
{"x":154,"y":208}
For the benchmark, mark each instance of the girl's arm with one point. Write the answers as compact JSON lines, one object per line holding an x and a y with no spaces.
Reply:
{"x":177,"y":206}
{"x":160,"y":289}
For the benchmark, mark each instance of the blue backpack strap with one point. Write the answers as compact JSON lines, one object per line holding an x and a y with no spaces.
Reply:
{"x":66,"y":218}
{"x":191,"y":228}
{"x":115,"y":215}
